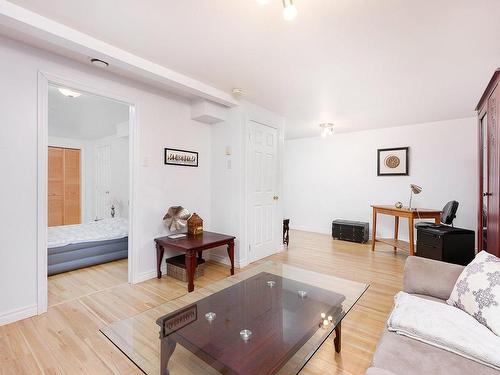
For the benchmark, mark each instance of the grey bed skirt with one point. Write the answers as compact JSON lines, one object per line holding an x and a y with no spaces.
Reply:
{"x":75,"y":256}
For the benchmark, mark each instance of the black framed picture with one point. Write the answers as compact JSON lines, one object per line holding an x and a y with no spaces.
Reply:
{"x":183,"y":158}
{"x":393,"y":161}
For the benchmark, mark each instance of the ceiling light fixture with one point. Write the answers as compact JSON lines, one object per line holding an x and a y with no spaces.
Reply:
{"x":327,"y":129}
{"x":238,"y":92}
{"x":69,"y":93}
{"x":289,"y":10}
{"x":262,"y":2}
{"x":99,"y":63}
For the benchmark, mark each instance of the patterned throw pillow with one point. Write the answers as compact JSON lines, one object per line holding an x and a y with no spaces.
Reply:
{"x":477,"y":290}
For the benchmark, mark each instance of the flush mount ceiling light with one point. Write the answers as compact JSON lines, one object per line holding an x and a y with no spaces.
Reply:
{"x":327,"y":129}
{"x":289,"y":9}
{"x":238,"y":92}
{"x":99,"y":63}
{"x":69,"y":93}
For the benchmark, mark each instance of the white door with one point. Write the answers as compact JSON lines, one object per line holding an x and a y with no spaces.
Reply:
{"x":262,"y":190}
{"x":102,"y":181}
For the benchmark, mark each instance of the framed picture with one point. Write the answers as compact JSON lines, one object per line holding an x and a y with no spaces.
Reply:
{"x":392,"y":161}
{"x":181,"y":157}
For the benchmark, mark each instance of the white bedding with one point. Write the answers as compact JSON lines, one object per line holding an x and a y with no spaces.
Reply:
{"x":102,"y":230}
{"x":445,"y":327}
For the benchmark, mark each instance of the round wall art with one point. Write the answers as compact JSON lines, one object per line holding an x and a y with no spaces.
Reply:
{"x":392,"y":161}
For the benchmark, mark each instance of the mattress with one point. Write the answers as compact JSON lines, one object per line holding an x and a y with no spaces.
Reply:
{"x":102,"y":230}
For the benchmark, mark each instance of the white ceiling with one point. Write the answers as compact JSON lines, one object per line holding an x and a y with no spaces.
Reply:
{"x":86,"y":117}
{"x":360,"y":64}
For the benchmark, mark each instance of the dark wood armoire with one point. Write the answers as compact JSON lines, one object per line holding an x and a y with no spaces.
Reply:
{"x":489,"y":165}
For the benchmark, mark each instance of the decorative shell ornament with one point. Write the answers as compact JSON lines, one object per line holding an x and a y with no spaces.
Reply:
{"x":398,"y":205}
{"x":176,"y":218}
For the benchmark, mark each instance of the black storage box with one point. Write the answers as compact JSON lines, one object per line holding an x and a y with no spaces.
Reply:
{"x":447,"y":244}
{"x":354,"y":231}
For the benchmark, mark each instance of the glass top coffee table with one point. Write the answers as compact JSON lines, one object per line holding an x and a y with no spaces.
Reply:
{"x":270,"y":319}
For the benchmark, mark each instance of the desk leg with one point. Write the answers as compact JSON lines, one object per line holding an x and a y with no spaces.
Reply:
{"x":396,"y":230}
{"x":230,"y":252}
{"x":159,"y":257}
{"x":374,"y":228}
{"x":411,"y":234}
{"x":190,"y":269}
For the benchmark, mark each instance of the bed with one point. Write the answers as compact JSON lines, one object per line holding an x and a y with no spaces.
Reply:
{"x":71,"y":247}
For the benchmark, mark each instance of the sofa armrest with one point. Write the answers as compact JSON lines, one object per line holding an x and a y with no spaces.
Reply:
{"x":430,"y":277}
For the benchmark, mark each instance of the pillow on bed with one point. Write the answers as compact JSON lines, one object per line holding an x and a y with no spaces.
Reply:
{"x":477,"y":290}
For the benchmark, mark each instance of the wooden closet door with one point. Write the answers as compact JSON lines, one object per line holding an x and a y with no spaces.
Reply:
{"x":55,"y":186}
{"x":72,"y":213}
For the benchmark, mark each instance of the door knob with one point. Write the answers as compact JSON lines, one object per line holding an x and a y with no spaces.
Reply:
{"x":275,"y":197}
{"x":487,"y":194}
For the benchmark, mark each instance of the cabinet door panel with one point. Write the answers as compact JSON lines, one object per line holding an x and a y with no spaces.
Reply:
{"x":71,"y":186}
{"x":56,"y":172}
{"x":55,"y":210}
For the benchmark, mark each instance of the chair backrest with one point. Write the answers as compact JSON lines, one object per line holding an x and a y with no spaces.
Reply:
{"x":449,"y":212}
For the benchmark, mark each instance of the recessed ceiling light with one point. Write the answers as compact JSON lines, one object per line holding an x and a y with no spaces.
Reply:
{"x":99,"y":63}
{"x":69,"y":93}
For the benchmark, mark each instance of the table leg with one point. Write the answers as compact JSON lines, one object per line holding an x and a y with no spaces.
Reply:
{"x":396,"y":230}
{"x":200,"y":257}
{"x":437,"y":220}
{"x":190,"y":269}
{"x":230,"y":252}
{"x":411,"y":235}
{"x":159,"y":256}
{"x":167,"y":348}
{"x":374,"y":228}
{"x":338,"y":337}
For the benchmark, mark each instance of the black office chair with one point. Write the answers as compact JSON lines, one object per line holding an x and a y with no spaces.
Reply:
{"x":447,"y":216}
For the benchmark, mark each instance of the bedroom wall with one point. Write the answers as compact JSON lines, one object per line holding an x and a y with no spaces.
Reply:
{"x":164,"y":120}
{"x":336,"y":178}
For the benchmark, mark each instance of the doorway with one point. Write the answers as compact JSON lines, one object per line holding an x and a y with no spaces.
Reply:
{"x":79,"y":228}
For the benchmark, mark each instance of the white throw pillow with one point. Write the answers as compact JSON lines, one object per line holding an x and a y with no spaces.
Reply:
{"x":477,"y":290}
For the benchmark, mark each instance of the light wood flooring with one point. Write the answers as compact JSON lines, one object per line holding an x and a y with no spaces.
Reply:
{"x":66,"y":340}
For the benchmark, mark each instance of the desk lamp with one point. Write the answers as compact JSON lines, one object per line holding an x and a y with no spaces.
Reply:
{"x":414,"y":189}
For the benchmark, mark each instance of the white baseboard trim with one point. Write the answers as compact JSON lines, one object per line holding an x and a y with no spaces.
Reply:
{"x":20,"y":313}
{"x":151,"y":274}
{"x":225,"y":260}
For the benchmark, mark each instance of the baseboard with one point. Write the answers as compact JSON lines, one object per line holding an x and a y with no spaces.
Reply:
{"x":225,"y":260}
{"x":151,"y":274}
{"x":18,"y":314}
{"x":311,"y":229}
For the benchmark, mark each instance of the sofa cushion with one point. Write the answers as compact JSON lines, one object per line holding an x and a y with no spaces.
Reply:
{"x":477,"y":290}
{"x":403,"y":355}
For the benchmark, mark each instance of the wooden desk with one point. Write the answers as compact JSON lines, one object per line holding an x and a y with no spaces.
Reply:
{"x":411,"y":215}
{"x":192,"y":245}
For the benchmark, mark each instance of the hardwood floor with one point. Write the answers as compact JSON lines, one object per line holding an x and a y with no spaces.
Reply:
{"x":66,"y":340}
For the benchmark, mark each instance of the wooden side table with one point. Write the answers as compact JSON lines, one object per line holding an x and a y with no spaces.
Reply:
{"x":411,"y":215}
{"x":192,"y":246}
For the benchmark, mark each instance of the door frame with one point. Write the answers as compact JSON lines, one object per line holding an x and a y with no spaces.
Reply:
{"x":44,"y":80}
{"x":266,"y":118}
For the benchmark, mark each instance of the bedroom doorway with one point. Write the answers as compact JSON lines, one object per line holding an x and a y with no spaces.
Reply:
{"x":86,"y":159}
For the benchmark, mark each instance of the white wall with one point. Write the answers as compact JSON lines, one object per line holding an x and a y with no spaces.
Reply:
{"x":119,"y":178}
{"x":164,"y":120}
{"x":336,"y":178}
